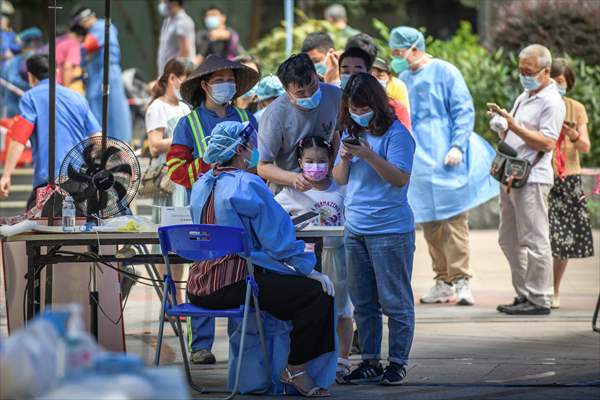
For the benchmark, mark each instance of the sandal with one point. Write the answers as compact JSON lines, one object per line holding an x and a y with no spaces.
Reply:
{"x":342,"y":369}
{"x":289,"y":378}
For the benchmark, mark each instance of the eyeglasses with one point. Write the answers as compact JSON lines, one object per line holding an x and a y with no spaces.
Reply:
{"x":535,"y":73}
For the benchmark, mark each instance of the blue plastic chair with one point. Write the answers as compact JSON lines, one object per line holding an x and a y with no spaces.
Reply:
{"x":199,"y":243}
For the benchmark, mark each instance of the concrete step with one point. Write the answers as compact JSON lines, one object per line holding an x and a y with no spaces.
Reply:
{"x":21,"y":176}
{"x":9,"y":208}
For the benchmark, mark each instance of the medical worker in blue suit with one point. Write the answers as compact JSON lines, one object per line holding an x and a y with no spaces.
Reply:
{"x":14,"y":70}
{"x":119,"y":114}
{"x":289,"y":288}
{"x":451,"y":166}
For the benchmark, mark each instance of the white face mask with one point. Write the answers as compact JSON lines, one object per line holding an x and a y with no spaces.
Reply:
{"x":177,"y":94}
{"x":177,"y":91}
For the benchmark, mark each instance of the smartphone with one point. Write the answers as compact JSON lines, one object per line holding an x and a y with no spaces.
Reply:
{"x":303,"y":218}
{"x":493,"y":107}
{"x":351,"y":140}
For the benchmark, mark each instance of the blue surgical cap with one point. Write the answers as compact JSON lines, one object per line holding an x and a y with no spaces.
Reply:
{"x":225,"y":138}
{"x":404,"y":37}
{"x":29,"y":34}
{"x":268,"y":87}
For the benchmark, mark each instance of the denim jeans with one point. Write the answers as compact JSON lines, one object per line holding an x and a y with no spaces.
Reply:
{"x":200,"y":330}
{"x":379,"y":280}
{"x":201,"y":333}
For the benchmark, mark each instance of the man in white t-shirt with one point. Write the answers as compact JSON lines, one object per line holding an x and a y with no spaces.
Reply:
{"x":177,"y":35}
{"x":534,"y":125}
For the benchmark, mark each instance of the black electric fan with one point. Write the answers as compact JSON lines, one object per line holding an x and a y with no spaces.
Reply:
{"x":102,"y":177}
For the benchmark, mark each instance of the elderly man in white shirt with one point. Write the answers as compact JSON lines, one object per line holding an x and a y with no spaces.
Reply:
{"x":534,"y":125}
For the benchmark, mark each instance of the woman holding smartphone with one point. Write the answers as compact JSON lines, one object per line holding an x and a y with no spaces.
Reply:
{"x":379,"y":228}
{"x":570,"y":224}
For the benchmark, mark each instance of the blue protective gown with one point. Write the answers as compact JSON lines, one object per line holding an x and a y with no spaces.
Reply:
{"x":119,"y":114}
{"x":74,"y":122}
{"x":443,"y":117}
{"x":10,"y":72}
{"x":242,"y":199}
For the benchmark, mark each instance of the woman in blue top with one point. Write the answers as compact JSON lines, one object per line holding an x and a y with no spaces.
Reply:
{"x":380,"y":229}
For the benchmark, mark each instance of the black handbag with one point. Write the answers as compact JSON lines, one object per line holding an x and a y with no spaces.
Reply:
{"x":510,"y":170}
{"x":156,"y":182}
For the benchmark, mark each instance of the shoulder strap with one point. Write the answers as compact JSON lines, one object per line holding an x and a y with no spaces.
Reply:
{"x":516,"y":109}
{"x":540,"y":154}
{"x":538,"y":157}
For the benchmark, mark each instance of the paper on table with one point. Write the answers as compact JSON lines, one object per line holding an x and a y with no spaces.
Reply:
{"x":175,"y":216}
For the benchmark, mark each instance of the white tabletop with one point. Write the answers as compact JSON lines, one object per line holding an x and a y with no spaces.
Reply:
{"x":307,"y":232}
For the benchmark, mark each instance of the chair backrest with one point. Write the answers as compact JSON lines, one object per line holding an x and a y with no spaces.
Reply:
{"x":203,"y":242}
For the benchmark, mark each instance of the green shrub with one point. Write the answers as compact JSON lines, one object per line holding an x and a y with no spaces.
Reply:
{"x":270,"y":50}
{"x":560,"y":25}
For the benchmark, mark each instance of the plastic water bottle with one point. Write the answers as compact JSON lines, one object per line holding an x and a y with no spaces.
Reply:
{"x":68,"y":214}
{"x":29,"y":360}
{"x":81,"y":348}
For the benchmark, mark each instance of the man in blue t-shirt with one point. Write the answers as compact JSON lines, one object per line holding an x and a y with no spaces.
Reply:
{"x":74,"y":122}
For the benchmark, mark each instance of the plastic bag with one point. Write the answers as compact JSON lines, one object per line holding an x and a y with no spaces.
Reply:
{"x":127,"y":223}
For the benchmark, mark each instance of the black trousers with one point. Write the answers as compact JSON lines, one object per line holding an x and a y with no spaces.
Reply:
{"x":289,"y":298}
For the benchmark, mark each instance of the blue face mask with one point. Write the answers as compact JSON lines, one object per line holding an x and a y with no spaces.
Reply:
{"x":222,"y":92}
{"x":163,"y":9}
{"x":321,"y":69}
{"x":212,"y":22}
{"x":562,"y":90}
{"x":530,"y":82}
{"x":399,"y":64}
{"x":362,"y":119}
{"x":344,"y":78}
{"x":311,"y":102}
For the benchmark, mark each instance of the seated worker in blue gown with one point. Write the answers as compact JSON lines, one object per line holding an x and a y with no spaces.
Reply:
{"x":289,"y":287}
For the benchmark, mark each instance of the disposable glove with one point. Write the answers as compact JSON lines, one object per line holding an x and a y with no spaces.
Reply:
{"x":454,"y":157}
{"x":498,"y":124}
{"x":326,"y":283}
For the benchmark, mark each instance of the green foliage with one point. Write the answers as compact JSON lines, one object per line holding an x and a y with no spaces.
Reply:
{"x":357,"y":8}
{"x":491,"y":76}
{"x":270,"y":50}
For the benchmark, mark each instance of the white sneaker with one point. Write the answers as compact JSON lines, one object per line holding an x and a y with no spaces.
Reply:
{"x":441,"y":292}
{"x":464,"y":297}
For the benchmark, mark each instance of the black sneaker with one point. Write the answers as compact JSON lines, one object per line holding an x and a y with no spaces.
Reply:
{"x":365,"y":372}
{"x":518,"y":300}
{"x":393,"y":375}
{"x":527,"y":308}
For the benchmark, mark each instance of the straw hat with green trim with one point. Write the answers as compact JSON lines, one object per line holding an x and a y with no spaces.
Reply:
{"x":192,"y":92}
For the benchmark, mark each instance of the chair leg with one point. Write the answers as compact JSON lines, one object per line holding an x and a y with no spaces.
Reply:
{"x":153,"y":273}
{"x":186,"y":363}
{"x":263,"y":344}
{"x":595,"y":326}
{"x":161,"y":325}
